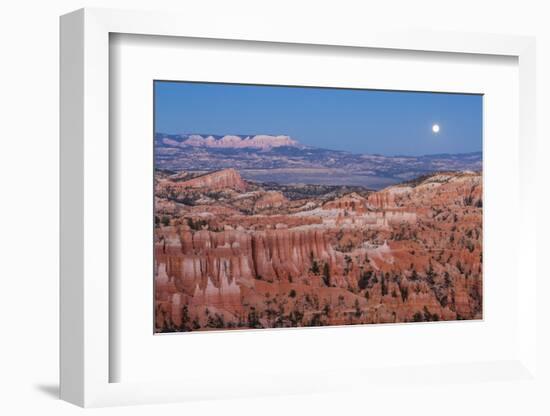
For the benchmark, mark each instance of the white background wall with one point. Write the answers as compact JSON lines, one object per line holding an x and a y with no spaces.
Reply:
{"x":29,"y":206}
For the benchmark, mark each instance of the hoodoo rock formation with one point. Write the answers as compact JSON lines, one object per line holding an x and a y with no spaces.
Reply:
{"x":251,"y":257}
{"x":270,"y":200}
{"x":442,"y":189}
{"x":353,"y":202}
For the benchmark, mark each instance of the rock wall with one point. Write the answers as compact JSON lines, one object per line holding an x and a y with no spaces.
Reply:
{"x":452,"y":189}
{"x":270,"y":200}
{"x":222,"y":179}
{"x":211,"y":267}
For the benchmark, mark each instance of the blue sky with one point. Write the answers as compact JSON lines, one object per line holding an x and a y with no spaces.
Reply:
{"x":359,"y":121}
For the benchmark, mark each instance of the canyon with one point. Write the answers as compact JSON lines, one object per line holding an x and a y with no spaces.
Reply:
{"x":235,"y":253}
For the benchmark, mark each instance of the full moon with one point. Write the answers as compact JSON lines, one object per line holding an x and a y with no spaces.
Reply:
{"x":435,"y":128}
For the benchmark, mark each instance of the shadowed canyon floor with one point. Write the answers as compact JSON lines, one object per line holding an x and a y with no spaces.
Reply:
{"x":233,"y":254}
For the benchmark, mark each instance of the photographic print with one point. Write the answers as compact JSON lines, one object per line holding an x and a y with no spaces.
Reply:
{"x":289,"y":206}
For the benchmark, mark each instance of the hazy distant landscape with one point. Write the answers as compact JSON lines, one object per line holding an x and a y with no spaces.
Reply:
{"x":286,"y":161}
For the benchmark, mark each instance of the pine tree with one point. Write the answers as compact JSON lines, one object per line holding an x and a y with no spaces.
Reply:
{"x":326,"y":274}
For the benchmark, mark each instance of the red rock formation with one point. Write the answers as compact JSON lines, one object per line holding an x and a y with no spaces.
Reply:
{"x":270,"y":200}
{"x":237,"y":269}
{"x":382,"y":200}
{"x":443,"y":189}
{"x":214,"y":181}
{"x":351,"y":202}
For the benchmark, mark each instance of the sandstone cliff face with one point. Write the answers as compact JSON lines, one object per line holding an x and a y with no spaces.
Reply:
{"x":215,"y":181}
{"x":270,"y":200}
{"x":212,"y":268}
{"x":443,"y":189}
{"x":406,"y":253}
{"x":353,"y":202}
{"x":196,"y":259}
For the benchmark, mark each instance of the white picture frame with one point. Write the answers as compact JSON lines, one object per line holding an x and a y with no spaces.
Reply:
{"x":85,"y":203}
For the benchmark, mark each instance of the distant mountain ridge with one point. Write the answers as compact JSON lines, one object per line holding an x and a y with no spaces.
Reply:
{"x":282,"y":159}
{"x":257,"y":141}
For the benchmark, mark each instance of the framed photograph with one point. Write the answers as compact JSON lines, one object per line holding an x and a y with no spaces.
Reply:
{"x":332,"y":202}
